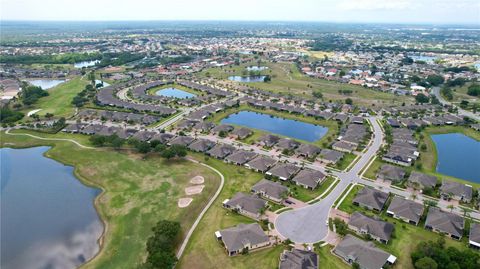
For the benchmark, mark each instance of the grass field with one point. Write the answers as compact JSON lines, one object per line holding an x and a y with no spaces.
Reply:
{"x":137,"y":193}
{"x":405,"y":237}
{"x":204,"y":251}
{"x":287,"y":79}
{"x":59,"y":101}
{"x":328,"y":260}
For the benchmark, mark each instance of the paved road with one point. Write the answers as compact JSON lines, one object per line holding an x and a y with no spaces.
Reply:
{"x":436,"y":92}
{"x":308,"y":224}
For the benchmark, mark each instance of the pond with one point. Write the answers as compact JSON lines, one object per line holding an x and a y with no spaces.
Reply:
{"x":48,"y":219}
{"x":256,"y":68}
{"x":85,"y":64}
{"x":175,"y":93}
{"x":247,"y":78}
{"x":424,"y":58}
{"x":458,"y":156}
{"x":46,"y":84}
{"x":281,"y":126}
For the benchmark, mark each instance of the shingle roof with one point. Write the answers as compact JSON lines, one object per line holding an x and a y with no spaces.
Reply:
{"x":445,"y":221}
{"x":270,"y":188}
{"x":248,"y":203}
{"x":475,"y":233}
{"x":406,"y":208}
{"x":298,"y":259}
{"x":392,"y":173}
{"x":456,"y":189}
{"x":364,"y":253}
{"x":236,"y":238}
{"x":283,"y":170}
{"x":261,"y":163}
{"x":378,"y":228}
{"x":241,"y":156}
{"x":371,"y":197}
{"x":425,"y":181}
{"x":309,"y":177}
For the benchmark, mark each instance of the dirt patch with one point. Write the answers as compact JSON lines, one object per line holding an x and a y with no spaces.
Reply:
{"x":197,"y":180}
{"x":194,"y":189}
{"x":184,"y":202}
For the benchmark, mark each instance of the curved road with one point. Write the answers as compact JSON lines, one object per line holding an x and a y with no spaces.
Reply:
{"x":308,"y":224}
{"x":436,"y":92}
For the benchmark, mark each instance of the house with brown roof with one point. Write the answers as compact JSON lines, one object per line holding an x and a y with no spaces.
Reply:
{"x":242,"y":238}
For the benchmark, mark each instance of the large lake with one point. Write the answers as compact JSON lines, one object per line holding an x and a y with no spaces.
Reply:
{"x":458,"y":156}
{"x":247,"y":78}
{"x":48,"y":219}
{"x":174,"y":92}
{"x":46,"y":84}
{"x":286,"y":127}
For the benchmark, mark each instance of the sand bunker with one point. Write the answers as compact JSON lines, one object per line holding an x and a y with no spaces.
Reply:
{"x":184,"y":202}
{"x":197,"y":180}
{"x":194,"y":189}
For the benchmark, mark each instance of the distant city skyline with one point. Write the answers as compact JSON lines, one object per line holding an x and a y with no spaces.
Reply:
{"x":363,"y":11}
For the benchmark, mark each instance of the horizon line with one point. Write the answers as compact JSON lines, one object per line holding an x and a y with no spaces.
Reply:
{"x":242,"y":20}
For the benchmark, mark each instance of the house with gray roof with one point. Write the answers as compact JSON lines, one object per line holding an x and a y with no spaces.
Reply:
{"x":474,"y":236}
{"x":298,"y":259}
{"x":391,"y":173}
{"x":406,"y":210}
{"x":201,"y":145}
{"x":261,"y":163}
{"x":445,"y":222}
{"x":422,"y":181}
{"x":309,"y":178}
{"x":376,"y":228}
{"x":243,"y":237}
{"x":246,"y":204}
{"x":354,"y":250}
{"x":162,"y":137}
{"x":330,"y":156}
{"x":221,"y":151}
{"x":204,"y":126}
{"x":371,"y":199}
{"x":143,"y":135}
{"x":270,"y":190}
{"x":283,"y":171}
{"x":181,"y":140}
{"x":222,"y":128}
{"x":287,"y":144}
{"x":74,"y":128}
{"x":456,"y":191}
{"x":307,"y":150}
{"x":241,"y":133}
{"x":240,"y":157}
{"x":268,"y":140}
{"x":344,"y":146}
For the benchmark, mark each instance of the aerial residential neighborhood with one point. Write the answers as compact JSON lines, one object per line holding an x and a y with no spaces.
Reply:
{"x":329,"y":134}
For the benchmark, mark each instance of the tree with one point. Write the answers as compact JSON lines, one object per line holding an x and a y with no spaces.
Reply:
{"x":426,"y":263}
{"x":97,"y":140}
{"x":161,"y":245}
{"x":143,"y":147}
{"x":421,"y":98}
{"x":349,"y":101}
{"x":473,"y":90}
{"x":317,"y":94}
{"x":435,"y":80}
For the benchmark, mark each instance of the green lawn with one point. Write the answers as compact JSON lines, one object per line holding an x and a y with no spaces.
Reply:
{"x":347,"y":159}
{"x":138,"y":192}
{"x":305,"y":195}
{"x":204,"y":251}
{"x":329,"y":260}
{"x":59,"y":100}
{"x":347,"y":204}
{"x":405,"y":236}
{"x":287,"y":79}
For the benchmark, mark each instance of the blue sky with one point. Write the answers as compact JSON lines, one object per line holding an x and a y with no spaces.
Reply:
{"x":389,"y":11}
